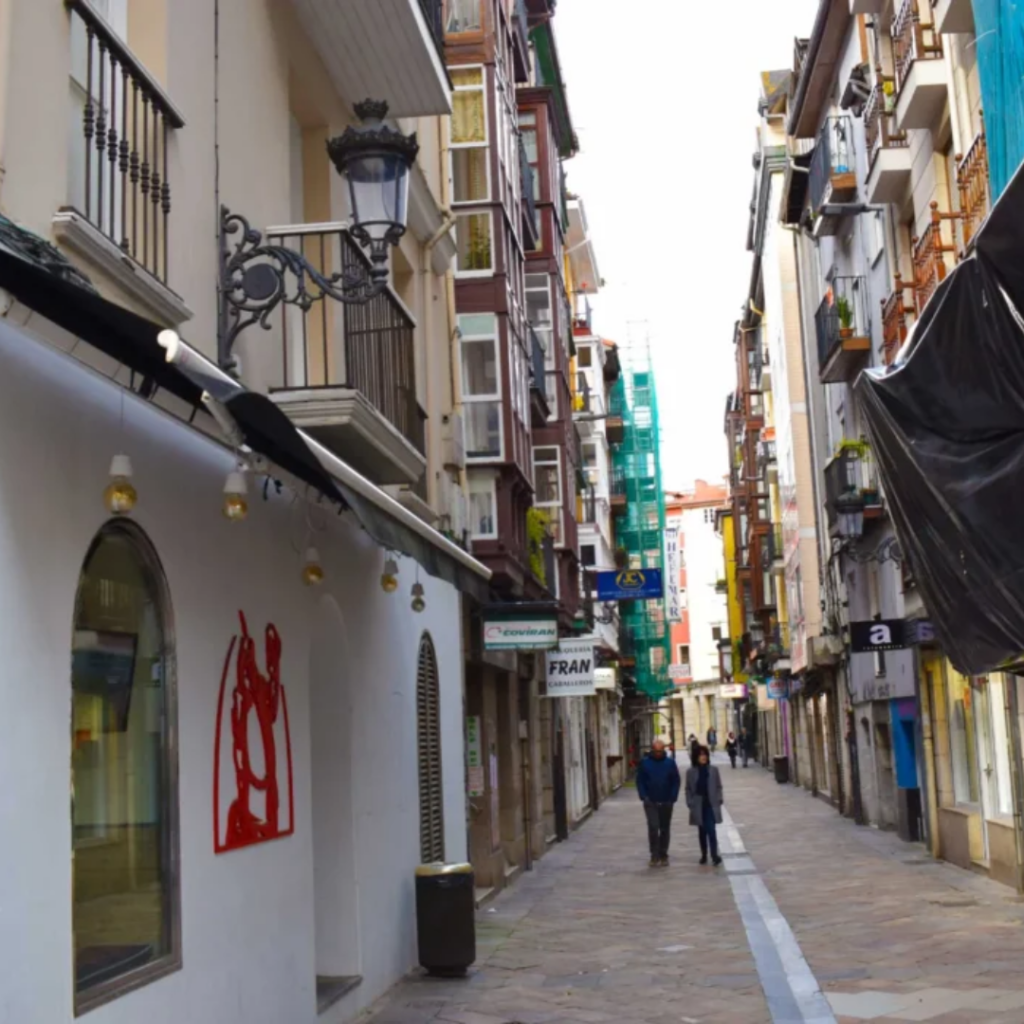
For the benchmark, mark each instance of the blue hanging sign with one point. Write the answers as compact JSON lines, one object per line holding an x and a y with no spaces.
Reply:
{"x":630,"y":585}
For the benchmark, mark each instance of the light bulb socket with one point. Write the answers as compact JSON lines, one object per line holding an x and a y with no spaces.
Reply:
{"x":121,"y":466}
{"x":236,"y":483}
{"x":390,"y":567}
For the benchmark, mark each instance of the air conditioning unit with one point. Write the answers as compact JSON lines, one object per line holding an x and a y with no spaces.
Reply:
{"x":453,"y":446}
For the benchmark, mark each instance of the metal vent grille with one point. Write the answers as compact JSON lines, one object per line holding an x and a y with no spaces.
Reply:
{"x":428,"y":735}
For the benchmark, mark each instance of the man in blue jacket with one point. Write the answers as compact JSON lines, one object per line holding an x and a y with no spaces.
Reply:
{"x":657,"y":782}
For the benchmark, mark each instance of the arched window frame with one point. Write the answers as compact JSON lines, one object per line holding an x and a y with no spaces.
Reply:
{"x":108,"y":991}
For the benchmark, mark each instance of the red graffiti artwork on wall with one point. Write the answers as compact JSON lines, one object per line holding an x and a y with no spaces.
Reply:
{"x":258,"y":713}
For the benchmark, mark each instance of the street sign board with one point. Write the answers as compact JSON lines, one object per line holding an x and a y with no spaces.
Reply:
{"x":877,"y":635}
{"x":630,"y":585}
{"x":521,"y":634}
{"x":571,"y":669}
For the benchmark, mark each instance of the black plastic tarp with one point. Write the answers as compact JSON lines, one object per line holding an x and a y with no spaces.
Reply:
{"x":946,"y":424}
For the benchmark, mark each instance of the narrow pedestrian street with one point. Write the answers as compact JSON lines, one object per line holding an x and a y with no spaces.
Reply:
{"x":777,"y":935}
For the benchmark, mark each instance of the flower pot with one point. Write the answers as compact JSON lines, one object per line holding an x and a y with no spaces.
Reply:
{"x":845,"y":333}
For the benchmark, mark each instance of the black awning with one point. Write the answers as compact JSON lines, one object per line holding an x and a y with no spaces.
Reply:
{"x":125,"y":336}
{"x":267,"y":430}
{"x":48,"y":286}
{"x":947,"y":431}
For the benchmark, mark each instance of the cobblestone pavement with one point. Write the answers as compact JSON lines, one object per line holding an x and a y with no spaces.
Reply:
{"x":812,"y":920}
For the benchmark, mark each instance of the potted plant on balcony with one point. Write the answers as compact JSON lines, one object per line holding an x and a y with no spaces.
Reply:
{"x":844,"y":310}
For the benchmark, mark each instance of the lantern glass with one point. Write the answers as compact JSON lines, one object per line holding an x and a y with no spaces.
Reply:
{"x":850,"y":515}
{"x":378,"y":188}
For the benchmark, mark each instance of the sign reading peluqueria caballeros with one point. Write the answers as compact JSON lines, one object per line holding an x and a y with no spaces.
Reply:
{"x":522,"y":634}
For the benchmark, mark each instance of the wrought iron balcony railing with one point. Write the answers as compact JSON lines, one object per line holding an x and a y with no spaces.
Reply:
{"x":120,"y":180}
{"x":842,"y":318}
{"x":880,"y":130}
{"x":434,"y":13}
{"x":832,"y":171}
{"x":368,"y":348}
{"x":912,"y":40}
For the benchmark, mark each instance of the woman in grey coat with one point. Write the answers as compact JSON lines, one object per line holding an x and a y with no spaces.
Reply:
{"x":704,"y":797}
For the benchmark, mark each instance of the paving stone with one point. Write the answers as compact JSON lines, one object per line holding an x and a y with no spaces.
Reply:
{"x":594,"y":936}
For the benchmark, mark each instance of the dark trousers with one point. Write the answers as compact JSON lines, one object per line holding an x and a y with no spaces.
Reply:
{"x":659,"y":828}
{"x":732,"y":757}
{"x":708,"y":832}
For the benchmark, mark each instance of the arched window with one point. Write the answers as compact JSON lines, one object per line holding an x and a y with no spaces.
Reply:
{"x":124,"y":801}
{"x":428,"y":740}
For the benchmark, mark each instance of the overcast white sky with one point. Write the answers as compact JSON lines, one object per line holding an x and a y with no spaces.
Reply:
{"x":664,"y":99}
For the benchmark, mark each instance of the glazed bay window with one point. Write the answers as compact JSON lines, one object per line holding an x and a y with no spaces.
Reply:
{"x":481,"y":386}
{"x":474,"y":239}
{"x":123,"y":772}
{"x":547,"y":478}
{"x":483,"y":508}
{"x":469,"y":138}
{"x":463,"y":16}
{"x":541,"y":316}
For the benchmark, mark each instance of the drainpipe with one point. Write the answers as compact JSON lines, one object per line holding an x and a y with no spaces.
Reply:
{"x":6,"y":28}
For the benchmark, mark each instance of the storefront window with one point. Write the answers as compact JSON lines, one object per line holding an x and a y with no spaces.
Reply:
{"x":123,"y":771}
{"x":994,"y":746}
{"x":963,"y":752}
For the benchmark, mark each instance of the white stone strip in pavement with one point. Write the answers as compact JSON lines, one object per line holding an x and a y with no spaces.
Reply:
{"x":793,"y":993}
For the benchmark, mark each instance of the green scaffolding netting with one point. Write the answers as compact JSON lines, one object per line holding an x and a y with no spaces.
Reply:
{"x":640,"y":529}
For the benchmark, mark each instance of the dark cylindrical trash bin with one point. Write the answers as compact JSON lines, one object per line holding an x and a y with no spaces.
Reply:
{"x":446,"y":918}
{"x":781,"y":768}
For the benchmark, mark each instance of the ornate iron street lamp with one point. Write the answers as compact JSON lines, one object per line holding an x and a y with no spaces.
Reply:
{"x":255,"y":278}
{"x":849,"y":508}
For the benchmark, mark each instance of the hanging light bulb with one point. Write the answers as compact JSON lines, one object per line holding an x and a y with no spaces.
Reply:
{"x":236,"y":505}
{"x":389,"y":578}
{"x":418,"y":602}
{"x":120,"y":496}
{"x":312,"y":570}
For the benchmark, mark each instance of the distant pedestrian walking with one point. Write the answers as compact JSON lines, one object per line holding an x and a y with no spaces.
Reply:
{"x":704,"y":798}
{"x":694,"y":749}
{"x":712,"y":739}
{"x":746,"y":742}
{"x":658,"y":783}
{"x":732,"y":748}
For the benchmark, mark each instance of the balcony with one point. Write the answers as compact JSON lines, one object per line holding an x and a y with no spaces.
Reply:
{"x":844,"y":330}
{"x":619,"y":493}
{"x":521,"y":42}
{"x":973,"y":185}
{"x":889,"y":160}
{"x":615,"y":425}
{"x":920,"y":69}
{"x":852,"y":468}
{"x":933,"y":253}
{"x":754,"y":410}
{"x":779,"y":646}
{"x":833,"y":177}
{"x":348,"y":372}
{"x":867,"y":6}
{"x":895,"y":310}
{"x":391,"y":50}
{"x":539,"y":409}
{"x":120,"y":190}
{"x":776,"y":551}
{"x":531,"y":223}
{"x":952,"y":16}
